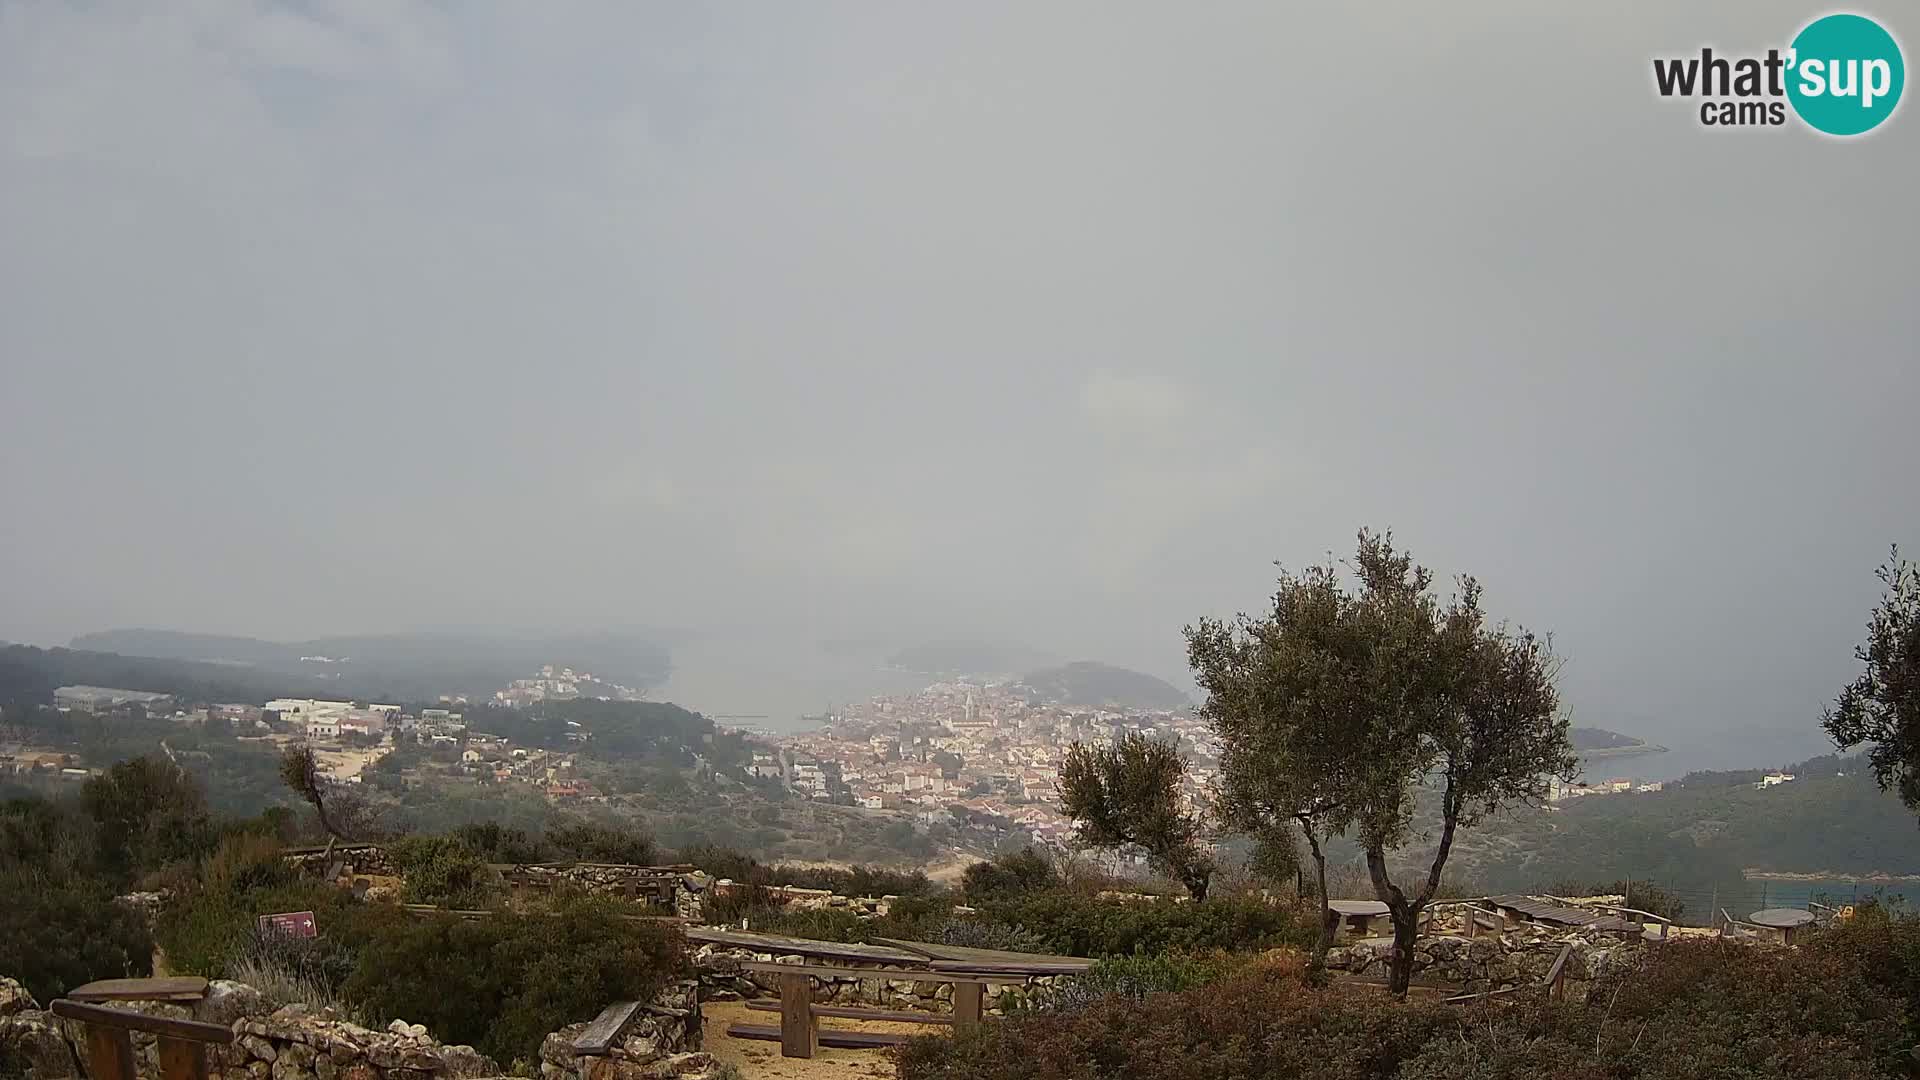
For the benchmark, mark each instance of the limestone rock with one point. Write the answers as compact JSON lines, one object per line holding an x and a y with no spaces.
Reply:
{"x":34,"y":1039}
{"x":14,"y":998}
{"x":228,"y":1001}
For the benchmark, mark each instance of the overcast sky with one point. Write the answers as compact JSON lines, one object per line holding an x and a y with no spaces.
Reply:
{"x":1050,"y":323}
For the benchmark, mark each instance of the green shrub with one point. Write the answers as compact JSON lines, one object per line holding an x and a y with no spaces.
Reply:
{"x":445,"y":872}
{"x":1133,"y":977}
{"x":1688,"y":1010}
{"x":1078,"y":925}
{"x":1015,"y":873}
{"x":1884,"y":946}
{"x":59,"y":931}
{"x":502,"y":983}
{"x":737,"y":866}
{"x":589,"y":842}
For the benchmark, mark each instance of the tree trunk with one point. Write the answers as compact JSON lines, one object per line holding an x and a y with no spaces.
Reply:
{"x":1196,"y":883}
{"x":1405,"y":915}
{"x":1406,"y":934}
{"x":1329,"y":922}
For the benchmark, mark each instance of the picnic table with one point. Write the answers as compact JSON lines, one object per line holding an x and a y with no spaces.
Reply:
{"x":1788,"y":921}
{"x":1357,"y":916}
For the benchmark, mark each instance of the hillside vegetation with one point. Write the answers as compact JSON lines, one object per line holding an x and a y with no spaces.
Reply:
{"x":413,"y":666}
{"x":1704,"y":831}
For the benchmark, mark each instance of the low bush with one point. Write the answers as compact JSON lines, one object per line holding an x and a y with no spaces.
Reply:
{"x":1015,"y":873}
{"x":445,"y":872}
{"x":1132,"y":977}
{"x":502,"y":983}
{"x":1884,"y":947}
{"x":737,"y":866}
{"x":1690,"y":1009}
{"x":1074,"y":924}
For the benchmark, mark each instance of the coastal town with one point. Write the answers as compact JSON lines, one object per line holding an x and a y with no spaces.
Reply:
{"x":967,"y":752}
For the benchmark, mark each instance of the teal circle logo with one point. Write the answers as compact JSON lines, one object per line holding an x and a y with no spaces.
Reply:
{"x":1845,"y":74}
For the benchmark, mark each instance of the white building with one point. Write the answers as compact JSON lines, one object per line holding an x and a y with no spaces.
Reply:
{"x":307,"y":708}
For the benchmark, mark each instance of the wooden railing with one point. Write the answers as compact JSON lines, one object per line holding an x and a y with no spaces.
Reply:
{"x":183,"y":1043}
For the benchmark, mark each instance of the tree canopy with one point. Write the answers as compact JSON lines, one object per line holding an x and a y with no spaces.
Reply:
{"x":1882,"y":707}
{"x":1337,"y":707}
{"x":1128,"y":794}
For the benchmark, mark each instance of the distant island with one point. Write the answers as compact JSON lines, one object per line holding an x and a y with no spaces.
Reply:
{"x":419,"y":666}
{"x":1593,"y":742}
{"x":1096,"y":685}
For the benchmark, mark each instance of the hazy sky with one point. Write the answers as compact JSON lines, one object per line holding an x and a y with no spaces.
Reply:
{"x":1052,"y":323}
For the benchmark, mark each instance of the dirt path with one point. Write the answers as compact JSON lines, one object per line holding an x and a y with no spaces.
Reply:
{"x":762,"y":1060}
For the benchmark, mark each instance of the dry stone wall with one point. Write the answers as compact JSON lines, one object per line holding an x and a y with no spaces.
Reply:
{"x":1494,"y":962}
{"x":295,"y":1042}
{"x":890,"y":986}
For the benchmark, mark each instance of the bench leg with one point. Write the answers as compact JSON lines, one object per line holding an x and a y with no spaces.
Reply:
{"x":968,"y":998}
{"x":799,"y":1032}
{"x":182,"y":1059}
{"x":109,"y":1053}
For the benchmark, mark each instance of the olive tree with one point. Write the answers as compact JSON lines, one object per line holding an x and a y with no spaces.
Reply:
{"x":1127,"y":794}
{"x":300,"y":771}
{"x":1344,"y":704}
{"x":1282,"y":723}
{"x":1882,"y":706}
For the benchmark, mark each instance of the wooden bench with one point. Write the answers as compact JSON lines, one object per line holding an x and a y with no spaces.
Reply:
{"x":180,"y":988}
{"x":598,"y":1037}
{"x":854,"y":1012}
{"x":832,"y":1040}
{"x":183,"y":1043}
{"x":799,"y":1032}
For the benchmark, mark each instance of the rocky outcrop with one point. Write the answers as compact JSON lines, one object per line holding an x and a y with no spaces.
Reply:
{"x":31,"y":1042}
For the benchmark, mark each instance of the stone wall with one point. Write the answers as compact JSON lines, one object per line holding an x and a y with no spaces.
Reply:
{"x":795,"y":898}
{"x":365,"y":860}
{"x":1493,"y":962}
{"x":663,"y":1040}
{"x":890,"y":986}
{"x":687,"y":887}
{"x":295,"y":1042}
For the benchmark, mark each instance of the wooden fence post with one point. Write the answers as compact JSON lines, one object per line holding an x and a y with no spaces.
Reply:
{"x":968,"y":999}
{"x":799,"y":1032}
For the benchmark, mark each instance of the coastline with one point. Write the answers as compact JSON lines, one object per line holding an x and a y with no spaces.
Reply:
{"x":1636,"y":750}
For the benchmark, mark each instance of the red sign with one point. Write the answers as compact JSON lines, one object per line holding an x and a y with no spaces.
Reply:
{"x":294,"y":924}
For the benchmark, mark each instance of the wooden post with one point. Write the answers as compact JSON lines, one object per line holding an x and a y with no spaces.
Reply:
{"x":109,"y":1053}
{"x":799,"y":1032}
{"x":968,"y":998}
{"x":182,"y":1059}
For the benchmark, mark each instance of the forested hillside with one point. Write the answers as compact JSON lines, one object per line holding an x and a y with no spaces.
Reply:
{"x":1705,"y":830}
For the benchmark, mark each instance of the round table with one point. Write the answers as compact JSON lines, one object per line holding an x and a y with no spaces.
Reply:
{"x":1784,"y":919}
{"x":1358,"y":915}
